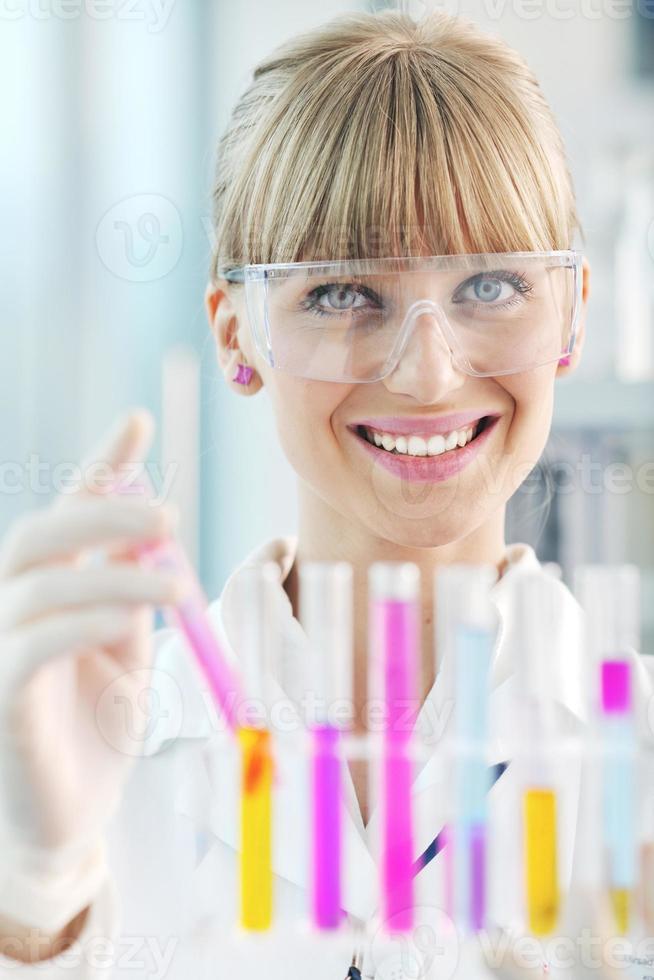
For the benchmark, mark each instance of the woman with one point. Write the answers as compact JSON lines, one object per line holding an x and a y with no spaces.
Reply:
{"x":373,"y":138}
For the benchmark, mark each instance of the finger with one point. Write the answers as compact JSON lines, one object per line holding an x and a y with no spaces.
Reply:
{"x":27,"y":648}
{"x":51,"y":534}
{"x":126,"y":443}
{"x":135,"y":650}
{"x":43,"y":591}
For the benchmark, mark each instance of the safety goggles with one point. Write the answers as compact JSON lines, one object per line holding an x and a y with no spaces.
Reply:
{"x":352,"y":320}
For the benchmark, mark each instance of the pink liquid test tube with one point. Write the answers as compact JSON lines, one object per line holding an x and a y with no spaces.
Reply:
{"x":394,"y":591}
{"x":326,"y":616}
{"x":190,"y":616}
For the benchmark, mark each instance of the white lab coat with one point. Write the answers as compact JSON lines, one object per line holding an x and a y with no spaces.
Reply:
{"x":169,"y":908}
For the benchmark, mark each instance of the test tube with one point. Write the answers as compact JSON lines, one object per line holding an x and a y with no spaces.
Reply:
{"x":255,"y":590}
{"x":394,"y":625}
{"x":535,"y":619}
{"x":190,"y":616}
{"x":609,"y":595}
{"x":467,"y":639}
{"x":326,"y":616}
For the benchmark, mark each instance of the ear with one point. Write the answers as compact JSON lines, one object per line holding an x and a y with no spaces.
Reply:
{"x":228,"y":322}
{"x":574,"y":358}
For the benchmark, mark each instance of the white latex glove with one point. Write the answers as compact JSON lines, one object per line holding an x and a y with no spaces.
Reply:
{"x":70,"y":628}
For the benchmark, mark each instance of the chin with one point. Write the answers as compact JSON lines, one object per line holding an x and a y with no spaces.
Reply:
{"x":426,"y":532}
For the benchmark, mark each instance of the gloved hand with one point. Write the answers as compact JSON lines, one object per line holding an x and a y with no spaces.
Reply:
{"x":71,"y":628}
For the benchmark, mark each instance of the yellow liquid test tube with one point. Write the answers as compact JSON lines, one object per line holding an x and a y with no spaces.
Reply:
{"x":621,"y":904}
{"x":256,"y":826}
{"x":540,"y":860}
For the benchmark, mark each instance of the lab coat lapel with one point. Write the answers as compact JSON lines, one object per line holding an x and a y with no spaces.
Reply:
{"x":567,"y":675}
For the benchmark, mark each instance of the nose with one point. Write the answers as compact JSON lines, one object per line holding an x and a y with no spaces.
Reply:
{"x":425,"y":369}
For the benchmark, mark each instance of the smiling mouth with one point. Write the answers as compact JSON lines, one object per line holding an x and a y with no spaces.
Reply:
{"x":410,"y":447}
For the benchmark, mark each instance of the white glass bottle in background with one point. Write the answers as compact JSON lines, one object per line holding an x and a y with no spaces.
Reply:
{"x":634,"y":273}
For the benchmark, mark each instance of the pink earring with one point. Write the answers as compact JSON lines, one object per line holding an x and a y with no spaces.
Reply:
{"x":564,"y":361}
{"x":243,"y":374}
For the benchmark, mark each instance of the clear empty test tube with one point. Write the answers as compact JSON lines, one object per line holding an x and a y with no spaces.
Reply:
{"x":609,"y":596}
{"x":467,"y":635}
{"x":326,"y":616}
{"x":394,"y":639}
{"x":536,"y":611}
{"x":255,"y":595}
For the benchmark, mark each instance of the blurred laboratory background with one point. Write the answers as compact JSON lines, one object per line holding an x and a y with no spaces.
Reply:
{"x":111,"y":115}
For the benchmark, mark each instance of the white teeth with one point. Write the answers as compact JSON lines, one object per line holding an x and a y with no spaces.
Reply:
{"x":436,"y":445}
{"x":417,"y":445}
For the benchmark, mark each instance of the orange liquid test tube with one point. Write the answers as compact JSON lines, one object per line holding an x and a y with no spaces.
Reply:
{"x":256,"y":827}
{"x":257,"y":635}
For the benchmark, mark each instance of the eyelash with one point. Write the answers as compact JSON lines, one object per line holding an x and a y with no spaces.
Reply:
{"x":310,"y":303}
{"x":517,"y":280}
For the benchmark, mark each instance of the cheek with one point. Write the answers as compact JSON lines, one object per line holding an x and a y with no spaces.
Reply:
{"x":533,"y":396}
{"x":303,"y":416}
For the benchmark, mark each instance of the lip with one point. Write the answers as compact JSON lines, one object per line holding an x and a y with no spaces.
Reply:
{"x":424,"y":425}
{"x":429,"y":469}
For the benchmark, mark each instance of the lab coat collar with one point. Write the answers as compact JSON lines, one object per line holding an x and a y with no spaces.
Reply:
{"x":202,"y":793}
{"x":567,"y":680}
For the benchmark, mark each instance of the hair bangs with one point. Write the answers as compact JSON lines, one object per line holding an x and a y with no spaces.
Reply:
{"x":433,"y":142}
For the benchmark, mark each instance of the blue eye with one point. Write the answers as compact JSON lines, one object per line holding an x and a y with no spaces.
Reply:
{"x":330,"y":299}
{"x":491,"y":287}
{"x":488,"y":289}
{"x":341,"y":297}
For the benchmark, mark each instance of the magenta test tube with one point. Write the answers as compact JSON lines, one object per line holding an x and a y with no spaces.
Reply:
{"x":394,"y":636}
{"x":326,"y":827}
{"x":326,"y":616}
{"x":190,"y":616}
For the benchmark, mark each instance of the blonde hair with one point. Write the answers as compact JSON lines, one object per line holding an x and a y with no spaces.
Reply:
{"x":379,"y":134}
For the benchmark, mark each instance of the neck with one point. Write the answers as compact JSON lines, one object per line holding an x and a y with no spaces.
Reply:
{"x":326,"y":535}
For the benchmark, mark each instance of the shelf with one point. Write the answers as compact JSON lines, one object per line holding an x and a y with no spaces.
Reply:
{"x":605,"y":404}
